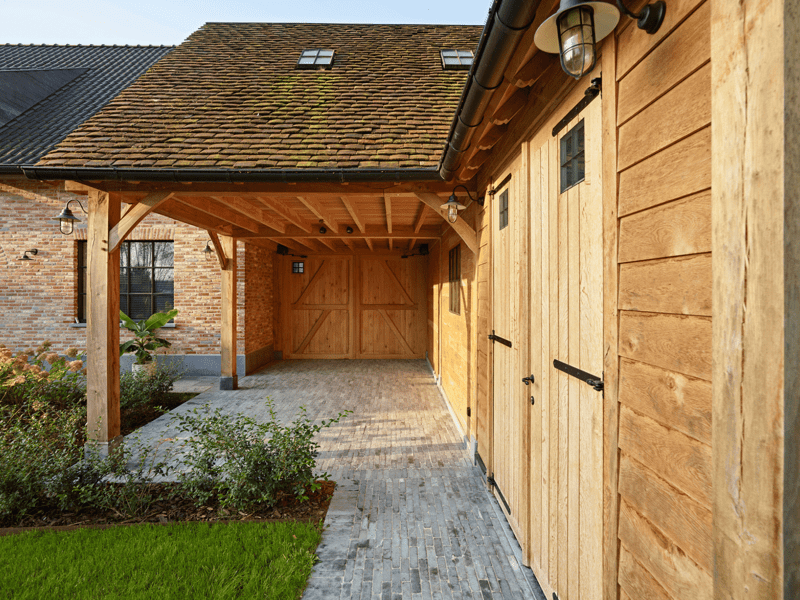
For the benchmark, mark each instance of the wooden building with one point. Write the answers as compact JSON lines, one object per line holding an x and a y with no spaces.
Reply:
{"x":665,"y":270}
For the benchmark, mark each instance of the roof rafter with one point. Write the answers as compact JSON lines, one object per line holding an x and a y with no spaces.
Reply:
{"x":320,"y":213}
{"x":286,"y":212}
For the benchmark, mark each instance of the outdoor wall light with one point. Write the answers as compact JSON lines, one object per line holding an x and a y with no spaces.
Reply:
{"x":424,"y":250}
{"x":453,"y":206}
{"x":25,"y":254}
{"x":208,"y":249}
{"x":577,"y":26}
{"x":349,"y":229}
{"x":67,"y":219}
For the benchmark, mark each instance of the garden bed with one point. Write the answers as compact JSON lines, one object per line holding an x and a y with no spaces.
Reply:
{"x":174,"y":509}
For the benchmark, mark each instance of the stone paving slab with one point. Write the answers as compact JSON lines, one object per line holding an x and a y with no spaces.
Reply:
{"x":411,"y":518}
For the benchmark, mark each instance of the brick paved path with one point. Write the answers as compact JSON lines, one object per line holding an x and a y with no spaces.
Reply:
{"x":411,"y":518}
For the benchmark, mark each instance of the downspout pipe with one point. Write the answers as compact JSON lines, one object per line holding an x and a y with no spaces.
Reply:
{"x":507,"y":21}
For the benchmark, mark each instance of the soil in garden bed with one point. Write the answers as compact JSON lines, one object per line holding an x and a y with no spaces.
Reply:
{"x":179,"y":509}
{"x":132,"y":420}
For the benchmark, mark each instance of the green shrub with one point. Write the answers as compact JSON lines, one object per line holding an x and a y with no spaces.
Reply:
{"x":147,"y":387}
{"x":244,"y":463}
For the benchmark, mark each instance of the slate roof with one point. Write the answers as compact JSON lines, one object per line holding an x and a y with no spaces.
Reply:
{"x":47,"y":91}
{"x":231,"y":97}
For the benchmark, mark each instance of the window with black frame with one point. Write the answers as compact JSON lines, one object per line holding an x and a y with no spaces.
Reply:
{"x":455,"y":280}
{"x":146,"y":281}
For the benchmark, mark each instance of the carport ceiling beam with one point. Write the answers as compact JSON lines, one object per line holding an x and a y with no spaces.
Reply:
{"x":250,"y":208}
{"x":373,"y":232}
{"x":133,"y":216}
{"x":320,"y":213}
{"x":387,"y":202}
{"x":286,"y":212}
{"x":180,"y":212}
{"x":218,"y":210}
{"x":464,"y":231}
{"x":355,"y":216}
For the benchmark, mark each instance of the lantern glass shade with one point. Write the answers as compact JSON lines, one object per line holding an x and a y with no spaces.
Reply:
{"x":66,"y":221}
{"x":452,"y":213}
{"x":576,"y":40}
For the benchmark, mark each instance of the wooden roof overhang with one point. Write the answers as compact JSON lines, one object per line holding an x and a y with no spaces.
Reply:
{"x":531,"y":86}
{"x":304,"y":216}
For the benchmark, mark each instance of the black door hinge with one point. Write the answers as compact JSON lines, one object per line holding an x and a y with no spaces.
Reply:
{"x":469,"y":411}
{"x":497,"y":338}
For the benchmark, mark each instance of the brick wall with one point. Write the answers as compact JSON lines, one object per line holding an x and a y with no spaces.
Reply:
{"x":38,"y":299}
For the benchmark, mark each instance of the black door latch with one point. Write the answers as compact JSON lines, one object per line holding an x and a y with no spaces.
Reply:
{"x":528,"y":380}
{"x":592,"y":380}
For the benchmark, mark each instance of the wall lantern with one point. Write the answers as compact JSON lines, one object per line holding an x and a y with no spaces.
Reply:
{"x":67,"y":219}
{"x":453,"y":206}
{"x":25,"y":254}
{"x":208,"y":249}
{"x":577,"y":26}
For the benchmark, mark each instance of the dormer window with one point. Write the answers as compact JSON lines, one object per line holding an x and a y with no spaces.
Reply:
{"x":457,"y":59}
{"x":315,"y":59}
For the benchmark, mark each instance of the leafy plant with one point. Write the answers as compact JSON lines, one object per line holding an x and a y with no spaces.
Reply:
{"x":42,"y":375}
{"x":244,"y":463}
{"x":145,"y":341}
{"x":147,"y":387}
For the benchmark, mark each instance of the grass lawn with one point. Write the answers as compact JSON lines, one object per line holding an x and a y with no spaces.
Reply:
{"x":186,"y":560}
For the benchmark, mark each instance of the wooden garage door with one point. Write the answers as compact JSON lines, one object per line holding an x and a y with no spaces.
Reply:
{"x":353,"y":306}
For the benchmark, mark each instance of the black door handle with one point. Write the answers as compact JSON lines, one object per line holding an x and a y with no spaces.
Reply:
{"x":528,"y":380}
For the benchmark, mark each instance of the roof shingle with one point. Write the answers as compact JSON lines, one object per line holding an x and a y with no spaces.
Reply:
{"x":47,"y":91}
{"x":231,"y":97}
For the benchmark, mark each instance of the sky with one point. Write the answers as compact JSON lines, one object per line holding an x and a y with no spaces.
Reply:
{"x":170,"y":22}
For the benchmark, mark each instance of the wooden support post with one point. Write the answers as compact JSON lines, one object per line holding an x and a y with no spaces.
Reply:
{"x":755,"y":72}
{"x":228,"y":379}
{"x":102,"y":328}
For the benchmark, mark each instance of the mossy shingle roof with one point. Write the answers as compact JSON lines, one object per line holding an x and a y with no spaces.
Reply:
{"x":47,"y":91}
{"x":231,"y":97}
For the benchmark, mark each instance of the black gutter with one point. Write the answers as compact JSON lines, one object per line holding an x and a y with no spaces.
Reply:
{"x":507,"y":21}
{"x":229,"y":175}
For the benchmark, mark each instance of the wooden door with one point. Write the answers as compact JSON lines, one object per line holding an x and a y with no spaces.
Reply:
{"x":566,"y":312}
{"x":318,"y":307}
{"x":352,"y":306}
{"x":391,"y":307}
{"x":509,"y":408}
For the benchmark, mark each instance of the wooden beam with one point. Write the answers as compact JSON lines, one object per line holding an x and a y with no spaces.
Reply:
{"x":215,"y":208}
{"x":464,"y":231}
{"x":532,"y":71}
{"x":286,"y":212}
{"x":756,"y":300}
{"x":387,"y":203}
{"x":372,"y":231}
{"x":180,"y":212}
{"x":218,"y":250}
{"x":102,"y":327}
{"x":420,"y":217}
{"x":510,"y":107}
{"x":252,"y":209}
{"x":369,"y":244}
{"x":229,"y":379}
{"x":491,"y":136}
{"x":351,"y":209}
{"x":326,"y":242}
{"x":133,"y":216}
{"x":320,"y":213}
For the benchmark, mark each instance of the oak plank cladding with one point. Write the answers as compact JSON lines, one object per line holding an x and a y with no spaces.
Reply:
{"x":672,"y":285}
{"x":675,"y":342}
{"x":681,"y":460}
{"x":679,"y":170}
{"x":673,"y":399}
{"x":680,"y":517}
{"x":682,"y":53}
{"x":683,"y":110}
{"x":673,"y":229}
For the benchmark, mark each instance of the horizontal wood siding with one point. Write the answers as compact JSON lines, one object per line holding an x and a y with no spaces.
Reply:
{"x":663,"y":450}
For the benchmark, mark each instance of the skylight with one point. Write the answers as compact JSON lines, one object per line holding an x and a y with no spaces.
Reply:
{"x":456,"y":59}
{"x":315,"y":58}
